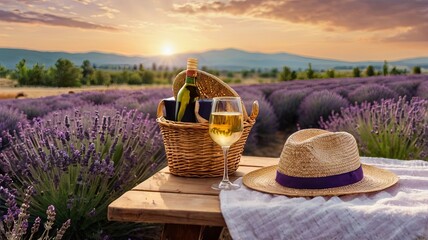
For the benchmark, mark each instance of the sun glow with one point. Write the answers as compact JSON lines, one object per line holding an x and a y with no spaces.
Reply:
{"x":167,"y":50}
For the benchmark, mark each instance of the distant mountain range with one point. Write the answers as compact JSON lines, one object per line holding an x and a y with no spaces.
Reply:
{"x":226,"y":59}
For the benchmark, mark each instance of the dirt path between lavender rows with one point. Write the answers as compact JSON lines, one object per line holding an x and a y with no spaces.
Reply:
{"x":7,"y":89}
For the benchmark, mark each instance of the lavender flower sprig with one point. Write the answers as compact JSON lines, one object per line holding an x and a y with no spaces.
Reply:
{"x":15,"y":226}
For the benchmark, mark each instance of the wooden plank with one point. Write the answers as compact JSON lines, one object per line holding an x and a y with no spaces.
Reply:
{"x":249,"y":161}
{"x":258,"y":161}
{"x":166,"y":182}
{"x":156,"y":207}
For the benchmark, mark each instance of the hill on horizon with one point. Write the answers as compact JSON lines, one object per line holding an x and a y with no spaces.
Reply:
{"x":224,"y":59}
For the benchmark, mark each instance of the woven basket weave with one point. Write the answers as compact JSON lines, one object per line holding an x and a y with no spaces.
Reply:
{"x":189,"y":148}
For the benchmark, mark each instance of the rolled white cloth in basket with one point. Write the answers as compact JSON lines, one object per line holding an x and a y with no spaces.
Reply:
{"x":399,"y":212}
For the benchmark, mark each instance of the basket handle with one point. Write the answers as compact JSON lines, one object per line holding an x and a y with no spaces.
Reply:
{"x":199,"y":118}
{"x":254,"y":111}
{"x":161,"y":106}
{"x":244,"y":111}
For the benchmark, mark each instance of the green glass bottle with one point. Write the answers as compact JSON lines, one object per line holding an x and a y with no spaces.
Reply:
{"x":188,"y":93}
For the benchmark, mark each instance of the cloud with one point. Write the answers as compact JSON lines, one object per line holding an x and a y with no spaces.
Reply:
{"x":84,"y":2}
{"x":417,"y":34}
{"x":49,"y":19}
{"x":107,"y":11}
{"x":350,"y":15}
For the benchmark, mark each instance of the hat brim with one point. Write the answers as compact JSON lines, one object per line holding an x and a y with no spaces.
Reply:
{"x":375,"y":179}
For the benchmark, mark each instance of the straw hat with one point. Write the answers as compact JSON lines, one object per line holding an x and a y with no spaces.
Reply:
{"x":316,"y":162}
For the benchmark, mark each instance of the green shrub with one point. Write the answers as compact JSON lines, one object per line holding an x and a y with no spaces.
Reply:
{"x":135,"y":79}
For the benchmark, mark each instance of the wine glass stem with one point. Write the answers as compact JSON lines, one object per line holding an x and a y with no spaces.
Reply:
{"x":226,"y":172}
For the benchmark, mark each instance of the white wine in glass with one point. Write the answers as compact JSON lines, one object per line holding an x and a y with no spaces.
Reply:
{"x":225,"y":128}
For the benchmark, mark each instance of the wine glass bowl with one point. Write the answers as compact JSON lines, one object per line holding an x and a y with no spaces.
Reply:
{"x":225,"y":128}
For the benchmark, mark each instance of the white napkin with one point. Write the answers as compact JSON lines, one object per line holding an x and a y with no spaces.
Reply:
{"x":399,"y":212}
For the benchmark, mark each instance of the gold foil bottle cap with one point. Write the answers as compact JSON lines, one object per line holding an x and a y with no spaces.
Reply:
{"x":192,"y":64}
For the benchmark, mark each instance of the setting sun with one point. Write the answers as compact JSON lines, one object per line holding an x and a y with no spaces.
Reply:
{"x":167,"y":50}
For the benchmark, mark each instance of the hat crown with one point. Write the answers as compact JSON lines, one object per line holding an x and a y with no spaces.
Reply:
{"x":319,"y":153}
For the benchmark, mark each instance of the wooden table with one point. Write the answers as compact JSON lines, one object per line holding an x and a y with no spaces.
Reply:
{"x":186,"y":205}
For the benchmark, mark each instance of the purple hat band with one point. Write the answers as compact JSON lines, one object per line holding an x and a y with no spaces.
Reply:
{"x":320,"y":182}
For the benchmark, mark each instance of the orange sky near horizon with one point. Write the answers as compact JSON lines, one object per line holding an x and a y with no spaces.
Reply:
{"x":353,"y":30}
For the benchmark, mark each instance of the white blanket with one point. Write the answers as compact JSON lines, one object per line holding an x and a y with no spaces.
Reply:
{"x":399,"y":212}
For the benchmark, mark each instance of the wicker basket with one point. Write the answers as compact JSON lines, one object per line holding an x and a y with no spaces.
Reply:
{"x":189,"y":148}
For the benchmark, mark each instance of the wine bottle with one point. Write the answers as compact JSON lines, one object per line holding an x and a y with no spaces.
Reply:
{"x":188,"y":93}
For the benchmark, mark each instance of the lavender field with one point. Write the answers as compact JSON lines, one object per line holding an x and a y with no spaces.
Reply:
{"x":80,"y":151}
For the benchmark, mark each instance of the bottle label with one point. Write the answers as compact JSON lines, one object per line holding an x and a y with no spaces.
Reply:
{"x":191,"y":77}
{"x":191,"y":73}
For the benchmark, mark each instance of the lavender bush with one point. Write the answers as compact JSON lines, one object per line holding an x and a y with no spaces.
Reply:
{"x":127,"y":102}
{"x":422,"y":91}
{"x":342,"y":91}
{"x":149,"y":107}
{"x":266,"y":123}
{"x":286,"y":104}
{"x":14,"y":224}
{"x":392,"y":128}
{"x":62,"y":102}
{"x":30,"y":107}
{"x":371,"y":93}
{"x":319,"y":104}
{"x":157,"y":94}
{"x":9,"y":119}
{"x":405,"y":88}
{"x":100,"y":98}
{"x":81,"y":161}
{"x":41,"y":106}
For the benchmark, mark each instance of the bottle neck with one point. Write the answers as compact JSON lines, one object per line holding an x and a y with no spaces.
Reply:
{"x":191,"y":77}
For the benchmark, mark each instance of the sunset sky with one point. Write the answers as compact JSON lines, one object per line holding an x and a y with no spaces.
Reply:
{"x":346,"y":30}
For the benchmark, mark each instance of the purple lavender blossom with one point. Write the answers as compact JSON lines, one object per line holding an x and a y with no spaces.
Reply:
{"x":62,"y":230}
{"x":36,"y":226}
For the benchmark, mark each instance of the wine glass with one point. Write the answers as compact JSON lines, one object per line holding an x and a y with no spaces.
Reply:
{"x":225,"y":128}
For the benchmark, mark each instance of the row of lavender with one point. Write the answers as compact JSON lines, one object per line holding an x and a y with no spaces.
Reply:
{"x":79,"y":151}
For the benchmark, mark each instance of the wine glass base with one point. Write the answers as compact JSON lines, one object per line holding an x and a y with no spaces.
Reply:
{"x":225,"y":185}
